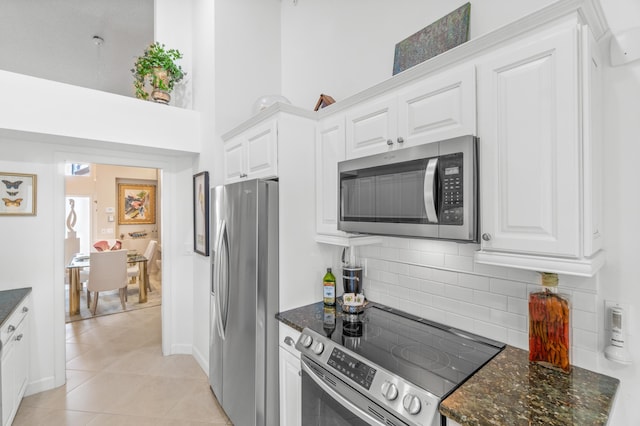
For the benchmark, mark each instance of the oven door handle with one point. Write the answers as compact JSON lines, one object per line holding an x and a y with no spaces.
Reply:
{"x":339,"y":398}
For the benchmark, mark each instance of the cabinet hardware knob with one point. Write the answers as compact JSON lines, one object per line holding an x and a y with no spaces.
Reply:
{"x":289,"y":341}
{"x":25,"y":309}
{"x":11,"y":328}
{"x":389,"y":142}
{"x":400,"y":139}
{"x":243,"y":175}
{"x":19,"y":337}
{"x":486,"y":237}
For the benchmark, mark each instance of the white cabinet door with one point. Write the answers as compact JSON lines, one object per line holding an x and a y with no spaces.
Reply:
{"x":530,"y":148}
{"x":290,"y":389}
{"x":440,"y":107}
{"x":372,"y":127}
{"x":262,"y":151}
{"x":252,"y":154}
{"x":290,"y":377}
{"x":330,"y":149}
{"x":14,"y":367}
{"x":234,"y":159}
{"x":7,"y":377}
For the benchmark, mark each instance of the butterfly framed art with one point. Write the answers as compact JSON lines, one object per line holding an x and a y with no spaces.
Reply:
{"x":17,"y":194}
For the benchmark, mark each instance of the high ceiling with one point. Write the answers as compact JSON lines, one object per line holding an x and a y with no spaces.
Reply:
{"x":53,"y":39}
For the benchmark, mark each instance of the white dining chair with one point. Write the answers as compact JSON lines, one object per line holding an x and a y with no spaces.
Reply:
{"x":108,"y":272}
{"x":149,"y":253}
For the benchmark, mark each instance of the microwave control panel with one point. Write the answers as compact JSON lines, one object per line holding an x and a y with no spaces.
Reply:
{"x":450,"y":172}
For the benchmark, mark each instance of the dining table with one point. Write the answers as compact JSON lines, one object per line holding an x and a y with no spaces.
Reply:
{"x":81,"y":261}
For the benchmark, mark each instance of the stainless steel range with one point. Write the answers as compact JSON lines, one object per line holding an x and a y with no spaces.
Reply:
{"x":385,"y":367}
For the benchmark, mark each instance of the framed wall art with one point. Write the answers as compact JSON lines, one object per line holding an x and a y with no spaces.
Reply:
{"x":18,"y":193}
{"x":201,"y":213}
{"x":444,"y":34}
{"x":136,"y":204}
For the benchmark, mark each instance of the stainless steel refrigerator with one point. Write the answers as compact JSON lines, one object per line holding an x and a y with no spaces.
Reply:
{"x":243,"y":355}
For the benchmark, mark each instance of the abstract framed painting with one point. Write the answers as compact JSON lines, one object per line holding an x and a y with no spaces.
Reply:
{"x":136,"y":204}
{"x":201,"y":213}
{"x":444,"y":34}
{"x":18,"y":193}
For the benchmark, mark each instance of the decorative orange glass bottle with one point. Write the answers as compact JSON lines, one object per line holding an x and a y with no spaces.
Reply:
{"x":549,"y":342}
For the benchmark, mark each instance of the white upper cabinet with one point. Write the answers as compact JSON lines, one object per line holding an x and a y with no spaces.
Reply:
{"x":435,"y":108}
{"x":536,"y":152}
{"x":253,"y":153}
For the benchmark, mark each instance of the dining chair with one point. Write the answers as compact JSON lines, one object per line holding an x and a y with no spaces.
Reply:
{"x":149,"y":253}
{"x":108,"y":272}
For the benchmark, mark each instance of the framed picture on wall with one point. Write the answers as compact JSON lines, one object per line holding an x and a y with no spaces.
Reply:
{"x":18,"y":193}
{"x":136,"y":204}
{"x":201,"y":213}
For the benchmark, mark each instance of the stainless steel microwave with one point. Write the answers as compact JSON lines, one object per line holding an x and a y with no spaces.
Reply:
{"x":427,"y":191}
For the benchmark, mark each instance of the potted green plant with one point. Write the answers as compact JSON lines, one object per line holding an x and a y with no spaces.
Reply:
{"x":158,"y":67}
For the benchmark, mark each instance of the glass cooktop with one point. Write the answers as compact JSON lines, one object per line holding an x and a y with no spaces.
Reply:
{"x":430,"y":355}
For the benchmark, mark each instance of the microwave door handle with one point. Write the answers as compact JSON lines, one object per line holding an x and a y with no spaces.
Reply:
{"x":430,"y":190}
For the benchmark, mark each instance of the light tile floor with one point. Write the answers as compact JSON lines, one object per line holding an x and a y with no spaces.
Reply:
{"x":116,"y":375}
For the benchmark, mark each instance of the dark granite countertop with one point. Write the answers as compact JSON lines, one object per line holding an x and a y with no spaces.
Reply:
{"x":9,"y":300}
{"x":508,"y":390}
{"x":511,"y":391}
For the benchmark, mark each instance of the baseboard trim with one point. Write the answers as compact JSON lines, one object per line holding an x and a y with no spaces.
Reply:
{"x":41,"y":385}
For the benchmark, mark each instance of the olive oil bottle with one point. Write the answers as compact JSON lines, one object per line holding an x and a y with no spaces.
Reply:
{"x":329,"y":288}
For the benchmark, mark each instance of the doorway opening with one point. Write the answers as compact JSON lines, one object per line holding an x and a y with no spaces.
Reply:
{"x":111,"y":207}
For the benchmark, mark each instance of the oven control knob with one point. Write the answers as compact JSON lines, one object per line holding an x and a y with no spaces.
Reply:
{"x":318,"y":348}
{"x":389,"y":391}
{"x":411,"y":403}
{"x":306,"y":340}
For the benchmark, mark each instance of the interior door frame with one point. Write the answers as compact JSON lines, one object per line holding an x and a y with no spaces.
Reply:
{"x":164,"y":164}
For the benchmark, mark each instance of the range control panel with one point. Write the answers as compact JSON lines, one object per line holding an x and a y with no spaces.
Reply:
{"x":356,"y":370}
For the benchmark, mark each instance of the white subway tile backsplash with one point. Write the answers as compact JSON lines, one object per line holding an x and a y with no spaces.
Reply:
{"x":518,"y":306}
{"x":585,"y":339}
{"x":468,"y":249}
{"x":388,"y":253}
{"x":432,"y":259}
{"x":509,"y":320}
{"x":422,"y":298}
{"x":460,"y":263}
{"x":421,"y":272}
{"x":518,"y":339}
{"x":474,"y":311}
{"x":434,"y":314}
{"x":459,"y":321}
{"x":584,"y":301}
{"x":439,"y":281}
{"x":508,"y":288}
{"x":523,"y":275}
{"x":433,"y":287}
{"x":584,"y":320}
{"x":388,"y":277}
{"x":410,"y":282}
{"x":490,"y":300}
{"x":491,"y":331}
{"x":475,"y":282}
{"x":445,"y":276}
{"x":445,"y":304}
{"x":585,"y":358}
{"x":490,"y":270}
{"x":458,"y":293}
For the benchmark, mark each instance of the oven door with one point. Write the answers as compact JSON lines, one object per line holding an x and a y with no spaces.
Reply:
{"x":327,"y":400}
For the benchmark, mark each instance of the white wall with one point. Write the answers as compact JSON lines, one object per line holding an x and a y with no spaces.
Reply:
{"x":343,"y":47}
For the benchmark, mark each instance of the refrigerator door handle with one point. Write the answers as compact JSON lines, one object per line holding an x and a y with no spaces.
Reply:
{"x":216,"y":278}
